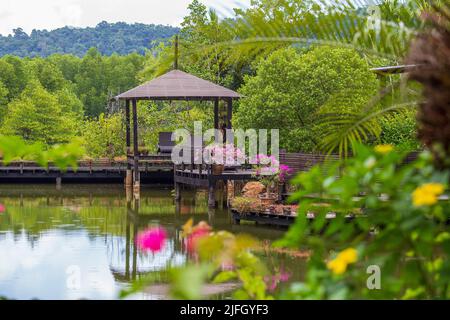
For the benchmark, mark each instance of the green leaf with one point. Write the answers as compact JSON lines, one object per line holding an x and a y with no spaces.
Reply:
{"x":225,"y":276}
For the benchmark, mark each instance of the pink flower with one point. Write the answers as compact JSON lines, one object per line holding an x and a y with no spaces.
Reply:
{"x":285,"y":170}
{"x":2,"y":208}
{"x":272,"y":282}
{"x":199,"y":232}
{"x":152,"y":239}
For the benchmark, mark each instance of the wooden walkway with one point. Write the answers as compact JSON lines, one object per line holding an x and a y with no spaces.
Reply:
{"x":204,"y":178}
{"x":158,"y":170}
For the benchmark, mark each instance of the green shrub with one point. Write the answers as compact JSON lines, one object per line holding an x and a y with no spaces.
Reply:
{"x":246,"y":205}
{"x":400,"y":130}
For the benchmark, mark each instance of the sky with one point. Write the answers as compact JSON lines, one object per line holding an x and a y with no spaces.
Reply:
{"x":53,"y":14}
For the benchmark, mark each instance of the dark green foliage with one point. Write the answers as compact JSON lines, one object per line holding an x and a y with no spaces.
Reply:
{"x":401,"y":130}
{"x":91,"y":80}
{"x":100,"y":77}
{"x":109,"y":38}
{"x":291,"y":90}
{"x":409,"y":239}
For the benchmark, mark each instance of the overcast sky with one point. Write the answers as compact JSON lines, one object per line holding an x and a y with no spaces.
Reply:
{"x":52,"y":14}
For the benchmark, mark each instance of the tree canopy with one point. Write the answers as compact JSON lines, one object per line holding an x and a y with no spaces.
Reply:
{"x":108,"y":38}
{"x":291,"y":88}
{"x":40,"y":116}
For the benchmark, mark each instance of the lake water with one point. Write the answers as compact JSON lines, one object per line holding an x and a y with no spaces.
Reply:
{"x":78,"y":242}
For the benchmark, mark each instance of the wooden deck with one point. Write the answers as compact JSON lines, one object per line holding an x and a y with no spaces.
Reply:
{"x":203,"y":178}
{"x":263,"y":218}
{"x":276,"y":219}
{"x":158,"y":169}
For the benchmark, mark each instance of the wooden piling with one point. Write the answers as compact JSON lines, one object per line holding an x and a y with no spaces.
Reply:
{"x":177,"y":192}
{"x":211,"y":195}
{"x":129,"y":179}
{"x":58,"y":183}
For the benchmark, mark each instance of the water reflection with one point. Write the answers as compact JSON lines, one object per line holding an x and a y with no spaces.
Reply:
{"x":79,"y":242}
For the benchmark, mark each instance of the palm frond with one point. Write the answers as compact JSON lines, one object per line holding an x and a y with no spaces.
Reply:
{"x":341,"y":132}
{"x":333,"y":23}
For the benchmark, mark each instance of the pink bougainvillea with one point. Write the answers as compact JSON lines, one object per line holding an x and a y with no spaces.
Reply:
{"x":198,"y":232}
{"x":285,"y":171}
{"x":152,"y":240}
{"x":2,"y":208}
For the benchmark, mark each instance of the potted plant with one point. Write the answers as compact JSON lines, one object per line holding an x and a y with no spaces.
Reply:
{"x":234,"y":157}
{"x":245,"y":205}
{"x":270,"y":174}
{"x":224,"y":157}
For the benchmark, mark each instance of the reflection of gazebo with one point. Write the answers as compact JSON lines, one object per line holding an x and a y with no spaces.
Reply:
{"x":174,"y":85}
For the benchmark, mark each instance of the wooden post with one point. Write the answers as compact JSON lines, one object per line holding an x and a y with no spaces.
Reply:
{"x":175,"y":64}
{"x":128,"y":126}
{"x":177,"y":209}
{"x":177,"y":192}
{"x":216,"y":118}
{"x":229,"y":113}
{"x":223,"y":194}
{"x":137,"y":185}
{"x":58,"y":183}
{"x":212,"y":194}
{"x":134,"y":258}
{"x":211,"y":216}
{"x":129,"y":192}
{"x":129,"y":173}
{"x":127,"y":242}
{"x":230,"y":192}
{"x":229,"y":118}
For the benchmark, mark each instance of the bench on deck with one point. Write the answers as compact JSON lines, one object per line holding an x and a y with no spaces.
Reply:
{"x":165,"y":143}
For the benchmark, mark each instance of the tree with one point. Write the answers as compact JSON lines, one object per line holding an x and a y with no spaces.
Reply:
{"x":431,"y":51}
{"x":105,"y":136}
{"x":100,"y":77}
{"x":37,"y":117}
{"x":200,"y":29}
{"x":48,"y":74}
{"x":192,"y":25}
{"x":3,"y":100}
{"x":68,"y":64}
{"x":69,"y":103}
{"x":291,"y":88}
{"x":13,"y":75}
{"x":91,"y":83}
{"x":400,"y":130}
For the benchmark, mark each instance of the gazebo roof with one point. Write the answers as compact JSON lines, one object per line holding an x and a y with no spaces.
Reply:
{"x":178,"y":85}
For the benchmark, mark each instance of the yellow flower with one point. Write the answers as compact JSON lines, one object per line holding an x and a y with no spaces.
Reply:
{"x":349,"y":255}
{"x":339,"y":265}
{"x":384,"y":148}
{"x":435,"y":188}
{"x":427,"y":194}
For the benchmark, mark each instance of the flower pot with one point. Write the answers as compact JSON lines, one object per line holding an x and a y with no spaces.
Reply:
{"x":287,"y":211}
{"x":217,"y":169}
{"x":268,"y":199}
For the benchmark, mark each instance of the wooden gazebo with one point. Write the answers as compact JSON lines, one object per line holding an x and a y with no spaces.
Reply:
{"x":174,"y":85}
